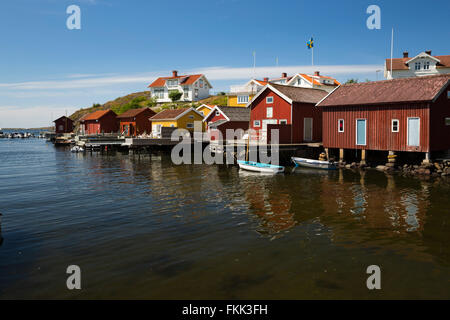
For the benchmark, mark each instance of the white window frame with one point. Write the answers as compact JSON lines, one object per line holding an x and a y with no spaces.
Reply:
{"x":417,"y":66}
{"x":189,"y":125}
{"x":447,"y":121}
{"x":398,"y":125}
{"x":243,"y":99}
{"x":257,"y":123}
{"x":339,"y":125}
{"x":217,"y":113}
{"x":269,"y":100}
{"x":271,"y":112}
{"x":283,"y":120}
{"x":426,"y":65}
{"x":196,"y":93}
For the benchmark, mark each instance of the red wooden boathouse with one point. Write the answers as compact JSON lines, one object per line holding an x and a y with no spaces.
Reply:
{"x":290,"y":109}
{"x":220,"y":119}
{"x":136,"y":121}
{"x":63,"y":125}
{"x":407,"y":114}
{"x":101,"y":121}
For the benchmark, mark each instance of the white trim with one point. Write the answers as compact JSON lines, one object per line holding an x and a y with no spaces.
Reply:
{"x":274,"y":90}
{"x":407,"y":131}
{"x":317,"y":104}
{"x":422,"y":55}
{"x":204,"y":105}
{"x":267,"y":98}
{"x":216,"y":108}
{"x":392,"y":125}
{"x":343,"y":125}
{"x":365,"y":133}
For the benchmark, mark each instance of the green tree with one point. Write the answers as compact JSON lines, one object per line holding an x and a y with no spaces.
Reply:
{"x":175,"y":95}
{"x":151,"y":102}
{"x":351,"y":81}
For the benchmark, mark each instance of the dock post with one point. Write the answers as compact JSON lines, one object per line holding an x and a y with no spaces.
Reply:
{"x":427,"y":158}
{"x":341,"y":155}
{"x":363,"y":157}
{"x":327,"y":154}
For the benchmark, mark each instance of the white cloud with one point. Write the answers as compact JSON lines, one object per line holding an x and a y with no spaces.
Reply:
{"x":212,"y":73}
{"x":24,"y":117}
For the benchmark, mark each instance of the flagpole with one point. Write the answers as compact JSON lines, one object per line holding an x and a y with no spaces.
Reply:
{"x":392,"y":50}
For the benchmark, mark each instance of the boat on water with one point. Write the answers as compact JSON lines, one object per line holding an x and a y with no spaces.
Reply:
{"x":260,"y":167}
{"x":311,"y":163}
{"x":76,"y":149}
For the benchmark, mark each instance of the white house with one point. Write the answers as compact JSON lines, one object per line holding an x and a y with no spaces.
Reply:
{"x":316,"y":81}
{"x":424,"y":64}
{"x":193,"y":87}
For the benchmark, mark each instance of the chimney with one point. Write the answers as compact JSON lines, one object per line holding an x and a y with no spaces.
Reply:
{"x":405,"y":54}
{"x":284,"y":75}
{"x":174,"y":73}
{"x":266,"y":79}
{"x":428,"y":52}
{"x":317,"y":73}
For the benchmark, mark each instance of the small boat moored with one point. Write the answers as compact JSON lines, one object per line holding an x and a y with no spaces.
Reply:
{"x":260,"y":167}
{"x":310,"y":163}
{"x":76,"y":149}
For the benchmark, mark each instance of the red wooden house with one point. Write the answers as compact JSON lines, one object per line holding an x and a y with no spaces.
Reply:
{"x":222,"y":118}
{"x":102,"y":121}
{"x":63,"y":125}
{"x":290,"y":109}
{"x":406,"y":114}
{"x":135,"y":121}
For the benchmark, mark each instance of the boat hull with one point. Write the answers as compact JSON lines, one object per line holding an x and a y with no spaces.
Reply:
{"x":316,"y":164}
{"x":260,"y":167}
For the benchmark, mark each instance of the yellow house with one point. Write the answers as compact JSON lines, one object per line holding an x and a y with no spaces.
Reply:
{"x":240,"y":96}
{"x":205,"y":109}
{"x":176,"y":118}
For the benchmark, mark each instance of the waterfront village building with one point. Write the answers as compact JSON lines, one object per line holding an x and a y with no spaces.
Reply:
{"x":222,"y":118}
{"x":240,"y":95}
{"x":399,"y":115}
{"x":289,"y":109}
{"x":193,"y":87}
{"x":135,"y":122}
{"x":63,"y":125}
{"x":101,"y":121}
{"x":424,"y":64}
{"x":183,"y":118}
{"x":205,"y":109}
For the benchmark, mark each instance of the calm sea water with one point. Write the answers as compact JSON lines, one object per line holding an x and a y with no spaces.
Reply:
{"x":145,"y":228}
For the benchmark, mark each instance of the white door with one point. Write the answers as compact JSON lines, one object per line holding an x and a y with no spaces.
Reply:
{"x":308,"y":129}
{"x":413,"y":132}
{"x":265,"y":122}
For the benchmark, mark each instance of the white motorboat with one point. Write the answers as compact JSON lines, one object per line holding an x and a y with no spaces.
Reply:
{"x":76,"y":149}
{"x":310,"y":163}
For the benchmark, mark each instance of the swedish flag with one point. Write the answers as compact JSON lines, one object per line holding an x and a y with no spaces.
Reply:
{"x":310,"y":43}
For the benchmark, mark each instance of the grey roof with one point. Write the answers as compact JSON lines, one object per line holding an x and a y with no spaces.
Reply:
{"x":236,"y":113}
{"x":299,"y":94}
{"x":217,"y":123}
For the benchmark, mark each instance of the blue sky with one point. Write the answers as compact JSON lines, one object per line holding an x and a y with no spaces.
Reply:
{"x":46,"y":69}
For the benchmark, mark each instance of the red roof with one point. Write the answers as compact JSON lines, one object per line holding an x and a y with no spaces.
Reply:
{"x":96,"y":115}
{"x":400,"y":63}
{"x":418,"y":89}
{"x":169,"y":114}
{"x":185,"y":80}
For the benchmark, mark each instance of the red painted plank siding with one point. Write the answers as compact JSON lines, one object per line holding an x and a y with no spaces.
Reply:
{"x":233,"y":125}
{"x":106,"y":124}
{"x":439,"y":132}
{"x":280,"y":107}
{"x":302,"y":111}
{"x":378,"y":126}
{"x":141,"y":123}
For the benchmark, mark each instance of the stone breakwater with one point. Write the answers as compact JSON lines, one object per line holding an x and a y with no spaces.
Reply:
{"x":436,"y":169}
